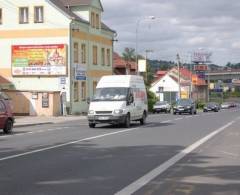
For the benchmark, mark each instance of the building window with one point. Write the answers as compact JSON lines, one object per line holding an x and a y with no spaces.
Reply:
{"x":103,"y":56}
{"x":0,"y":16}
{"x":108,"y":57}
{"x":38,"y":14}
{"x":83,"y":53}
{"x":93,"y":19}
{"x":97,"y":21}
{"x":76,"y":91}
{"x":75,"y":53}
{"x":94,"y":87}
{"x":95,"y":55}
{"x":83,"y":91}
{"x":23,"y":15}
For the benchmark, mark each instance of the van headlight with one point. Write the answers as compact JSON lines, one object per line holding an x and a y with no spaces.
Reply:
{"x":118,"y":111}
{"x":91,"y":112}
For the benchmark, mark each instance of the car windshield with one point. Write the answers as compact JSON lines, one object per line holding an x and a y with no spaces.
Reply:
{"x":111,"y":94}
{"x":161,"y":103}
{"x":184,"y":102}
{"x":211,"y":104}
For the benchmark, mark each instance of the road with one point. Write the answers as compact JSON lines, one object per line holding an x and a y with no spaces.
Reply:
{"x":171,"y":154}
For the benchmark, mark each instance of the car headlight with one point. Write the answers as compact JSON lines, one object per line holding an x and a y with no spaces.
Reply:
{"x":188,"y":107}
{"x":119,"y":111}
{"x":91,"y":112}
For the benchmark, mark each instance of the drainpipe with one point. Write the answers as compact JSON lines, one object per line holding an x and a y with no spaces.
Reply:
{"x":70,"y":66}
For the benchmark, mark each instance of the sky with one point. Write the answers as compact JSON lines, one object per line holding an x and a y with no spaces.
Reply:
{"x":180,"y":26}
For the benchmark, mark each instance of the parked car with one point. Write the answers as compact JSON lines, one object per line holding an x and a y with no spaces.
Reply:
{"x":6,"y":116}
{"x":211,"y":106}
{"x":226,"y":105}
{"x":163,"y":106}
{"x":185,"y":106}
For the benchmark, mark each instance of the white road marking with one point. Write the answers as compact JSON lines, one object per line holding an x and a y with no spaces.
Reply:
{"x":168,"y":121}
{"x":138,"y":184}
{"x":177,"y":119}
{"x":66,"y":144}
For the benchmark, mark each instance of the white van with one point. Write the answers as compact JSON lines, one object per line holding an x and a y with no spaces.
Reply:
{"x":119,"y":99}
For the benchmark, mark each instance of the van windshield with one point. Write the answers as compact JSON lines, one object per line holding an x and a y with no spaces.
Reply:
{"x":111,"y":94}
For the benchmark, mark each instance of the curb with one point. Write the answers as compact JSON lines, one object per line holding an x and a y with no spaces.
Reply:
{"x":33,"y":124}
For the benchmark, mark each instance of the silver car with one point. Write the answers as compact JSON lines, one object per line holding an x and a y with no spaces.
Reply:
{"x":163,"y":106}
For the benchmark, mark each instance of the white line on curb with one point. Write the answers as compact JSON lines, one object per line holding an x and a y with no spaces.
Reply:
{"x":138,"y":184}
{"x":66,"y":144}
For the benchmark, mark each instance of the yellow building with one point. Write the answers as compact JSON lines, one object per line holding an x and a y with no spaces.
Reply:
{"x":53,"y":52}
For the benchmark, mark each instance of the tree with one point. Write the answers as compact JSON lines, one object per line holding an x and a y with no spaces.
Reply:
{"x":129,"y":54}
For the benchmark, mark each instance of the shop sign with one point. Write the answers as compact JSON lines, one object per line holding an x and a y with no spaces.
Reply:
{"x":39,"y":60}
{"x":80,"y":73}
{"x":45,"y":100}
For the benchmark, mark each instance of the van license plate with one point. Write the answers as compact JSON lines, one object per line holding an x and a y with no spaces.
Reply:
{"x":103,"y":118}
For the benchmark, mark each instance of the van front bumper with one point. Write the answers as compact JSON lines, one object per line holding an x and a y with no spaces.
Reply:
{"x":113,"y":119}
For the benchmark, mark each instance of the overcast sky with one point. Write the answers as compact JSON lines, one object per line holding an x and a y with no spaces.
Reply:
{"x":181,"y":26}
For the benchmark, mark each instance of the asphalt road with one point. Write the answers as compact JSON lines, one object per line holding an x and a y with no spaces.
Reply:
{"x":179,"y":154}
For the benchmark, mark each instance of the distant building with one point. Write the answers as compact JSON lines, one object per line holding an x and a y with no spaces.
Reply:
{"x":122,"y":67}
{"x":51,"y":46}
{"x":159,"y":74}
{"x":166,"y":87}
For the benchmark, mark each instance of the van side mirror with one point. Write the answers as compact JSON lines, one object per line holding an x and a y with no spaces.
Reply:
{"x":131,"y":99}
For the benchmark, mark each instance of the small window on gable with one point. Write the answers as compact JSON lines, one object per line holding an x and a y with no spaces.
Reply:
{"x":38,"y":14}
{"x":23,"y":15}
{"x":93,"y":19}
{"x":97,"y":21}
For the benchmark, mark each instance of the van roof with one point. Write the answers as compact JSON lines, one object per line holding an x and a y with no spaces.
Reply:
{"x":120,"y":81}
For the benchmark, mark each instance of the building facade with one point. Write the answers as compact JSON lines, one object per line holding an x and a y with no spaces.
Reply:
{"x":167,"y":87}
{"x":52,"y":54}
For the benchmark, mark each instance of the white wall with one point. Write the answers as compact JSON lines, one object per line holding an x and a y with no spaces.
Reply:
{"x":168,"y":84}
{"x":53,"y":19}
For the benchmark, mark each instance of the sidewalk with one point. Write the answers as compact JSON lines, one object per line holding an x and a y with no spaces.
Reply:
{"x":23,"y":121}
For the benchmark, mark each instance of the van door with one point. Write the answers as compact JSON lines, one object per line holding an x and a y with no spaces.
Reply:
{"x":131,"y":104}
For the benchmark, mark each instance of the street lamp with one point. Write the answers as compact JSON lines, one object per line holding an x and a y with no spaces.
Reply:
{"x":137,"y":25}
{"x":179,"y":80}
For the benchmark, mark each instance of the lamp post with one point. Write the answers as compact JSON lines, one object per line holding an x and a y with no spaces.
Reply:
{"x":137,"y":26}
{"x":179,"y":80}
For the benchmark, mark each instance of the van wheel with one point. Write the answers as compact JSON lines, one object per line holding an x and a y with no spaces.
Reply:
{"x":8,"y":126}
{"x":92,"y":125}
{"x":143,"y":119}
{"x":127,"y":121}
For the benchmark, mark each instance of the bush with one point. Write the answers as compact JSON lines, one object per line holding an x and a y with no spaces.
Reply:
{"x":152,"y":99}
{"x":200,"y":104}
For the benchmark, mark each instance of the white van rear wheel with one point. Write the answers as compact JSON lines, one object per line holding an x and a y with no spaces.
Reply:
{"x":143,"y":119}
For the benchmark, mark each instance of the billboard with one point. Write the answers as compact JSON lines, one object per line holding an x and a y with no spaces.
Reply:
{"x":201,"y":56}
{"x":39,"y":60}
{"x":201,"y":67}
{"x":142,"y":65}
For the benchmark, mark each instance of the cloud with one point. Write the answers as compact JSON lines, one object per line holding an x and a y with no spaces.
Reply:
{"x":180,"y":26}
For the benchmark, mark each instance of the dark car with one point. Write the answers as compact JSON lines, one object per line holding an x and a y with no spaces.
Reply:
{"x":185,"y":106}
{"x":6,"y":115}
{"x":211,"y":106}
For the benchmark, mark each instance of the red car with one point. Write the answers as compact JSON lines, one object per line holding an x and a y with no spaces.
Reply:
{"x":6,"y":116}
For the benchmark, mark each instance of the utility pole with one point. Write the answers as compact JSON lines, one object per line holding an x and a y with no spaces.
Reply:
{"x":179,"y":80}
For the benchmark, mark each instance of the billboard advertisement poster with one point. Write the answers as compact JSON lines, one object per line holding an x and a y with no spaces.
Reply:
{"x":39,"y":60}
{"x":201,"y":68}
{"x":142,"y":65}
